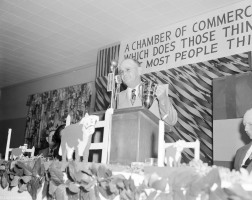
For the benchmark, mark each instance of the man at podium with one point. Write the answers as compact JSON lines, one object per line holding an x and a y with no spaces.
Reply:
{"x":159,"y":104}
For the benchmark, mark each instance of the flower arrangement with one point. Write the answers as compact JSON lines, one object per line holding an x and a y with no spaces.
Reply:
{"x":75,"y":180}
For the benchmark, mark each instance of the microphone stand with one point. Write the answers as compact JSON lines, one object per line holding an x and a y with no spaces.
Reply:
{"x":111,"y":83}
{"x":118,"y":80}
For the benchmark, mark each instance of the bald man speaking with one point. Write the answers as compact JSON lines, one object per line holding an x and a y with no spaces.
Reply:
{"x":162,"y":107}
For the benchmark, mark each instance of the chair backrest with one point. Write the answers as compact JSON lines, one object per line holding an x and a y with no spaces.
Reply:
{"x":178,"y":146}
{"x":106,"y":124}
{"x":32,"y":151}
{"x":20,"y":150}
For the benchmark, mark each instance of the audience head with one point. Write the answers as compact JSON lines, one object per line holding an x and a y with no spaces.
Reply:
{"x":56,"y":139}
{"x":130,"y":71}
{"x":44,"y":138}
{"x":247,"y":122}
{"x":49,"y":138}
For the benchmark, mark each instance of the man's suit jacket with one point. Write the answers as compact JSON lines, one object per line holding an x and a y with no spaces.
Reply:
{"x":239,"y":156}
{"x":159,"y":111}
{"x":124,"y":102}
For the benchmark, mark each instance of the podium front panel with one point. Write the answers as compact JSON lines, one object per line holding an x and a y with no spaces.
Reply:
{"x":134,"y":136}
{"x":148,"y":138}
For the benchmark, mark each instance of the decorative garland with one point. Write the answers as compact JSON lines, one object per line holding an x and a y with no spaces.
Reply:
{"x":74,"y":180}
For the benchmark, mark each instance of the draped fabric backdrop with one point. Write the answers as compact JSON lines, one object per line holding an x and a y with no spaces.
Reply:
{"x":48,"y":110}
{"x":190,"y":90}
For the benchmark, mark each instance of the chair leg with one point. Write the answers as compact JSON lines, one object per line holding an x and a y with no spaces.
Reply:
{"x":8,"y":145}
{"x":161,"y":150}
{"x":197,"y":150}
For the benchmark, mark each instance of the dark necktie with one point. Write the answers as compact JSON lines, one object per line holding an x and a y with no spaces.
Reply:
{"x":246,"y":164}
{"x":133,"y":96}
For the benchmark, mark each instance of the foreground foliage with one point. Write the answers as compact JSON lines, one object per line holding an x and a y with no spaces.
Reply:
{"x":74,"y":180}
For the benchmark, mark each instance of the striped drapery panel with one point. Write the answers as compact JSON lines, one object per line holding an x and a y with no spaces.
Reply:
{"x":190,"y":90}
{"x":104,"y":58}
{"x":102,"y":98}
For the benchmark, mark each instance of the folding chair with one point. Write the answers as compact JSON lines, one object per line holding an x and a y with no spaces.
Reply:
{"x":106,"y":124}
{"x":8,"y":149}
{"x":179,"y":146}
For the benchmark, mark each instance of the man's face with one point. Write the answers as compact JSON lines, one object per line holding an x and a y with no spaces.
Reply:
{"x":247,"y":122}
{"x":129,"y":71}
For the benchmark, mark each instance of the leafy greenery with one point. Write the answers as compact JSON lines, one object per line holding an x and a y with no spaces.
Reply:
{"x":75,"y":180}
{"x":70,"y":180}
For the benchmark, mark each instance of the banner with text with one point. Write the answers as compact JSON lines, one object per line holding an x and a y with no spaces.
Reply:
{"x":224,"y":32}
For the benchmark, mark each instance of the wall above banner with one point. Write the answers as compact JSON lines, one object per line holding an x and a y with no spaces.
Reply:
{"x":223,"y":32}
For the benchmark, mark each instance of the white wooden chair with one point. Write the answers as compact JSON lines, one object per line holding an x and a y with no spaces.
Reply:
{"x":32,"y":151}
{"x":8,"y":149}
{"x":106,"y":124}
{"x":179,"y":145}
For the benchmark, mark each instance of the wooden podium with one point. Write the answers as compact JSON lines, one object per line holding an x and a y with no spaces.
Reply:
{"x":134,"y":135}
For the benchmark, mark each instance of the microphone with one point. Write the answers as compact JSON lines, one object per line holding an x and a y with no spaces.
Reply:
{"x":118,"y":79}
{"x":111,"y":76}
{"x":113,"y":65}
